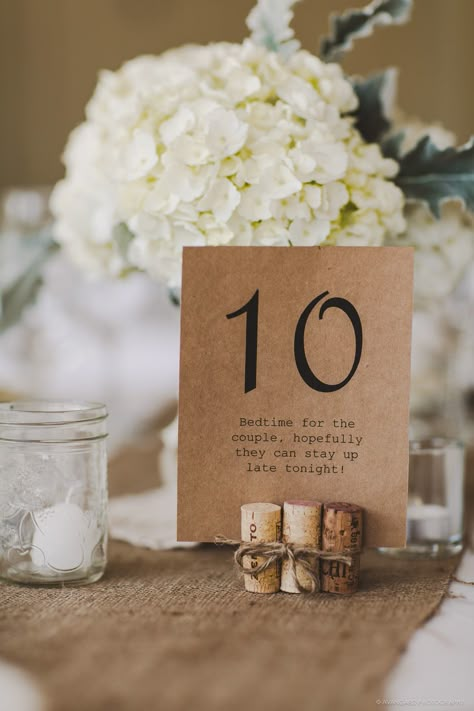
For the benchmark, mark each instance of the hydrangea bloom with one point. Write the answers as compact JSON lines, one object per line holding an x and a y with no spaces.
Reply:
{"x":443,"y":248}
{"x":223,"y":144}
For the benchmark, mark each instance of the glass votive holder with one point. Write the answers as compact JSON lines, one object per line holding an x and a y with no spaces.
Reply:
{"x":53,"y":492}
{"x":435,"y":500}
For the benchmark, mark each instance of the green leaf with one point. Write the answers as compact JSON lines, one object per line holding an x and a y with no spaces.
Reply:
{"x":361,"y":23}
{"x":174,"y":294}
{"x":432,"y":175}
{"x":15,"y":298}
{"x":269,"y":25}
{"x":376,"y":97}
{"x":392,"y":145}
{"x":122,"y":238}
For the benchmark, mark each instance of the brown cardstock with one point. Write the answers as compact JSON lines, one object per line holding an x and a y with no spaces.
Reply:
{"x":213,"y":480}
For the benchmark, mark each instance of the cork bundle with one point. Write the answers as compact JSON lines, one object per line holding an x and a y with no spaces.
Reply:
{"x":316,"y":547}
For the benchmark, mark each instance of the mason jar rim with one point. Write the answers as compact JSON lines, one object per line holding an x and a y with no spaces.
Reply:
{"x":434,"y":445}
{"x":50,"y":413}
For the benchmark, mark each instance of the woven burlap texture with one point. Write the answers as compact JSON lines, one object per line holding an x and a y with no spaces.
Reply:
{"x":175,"y":631}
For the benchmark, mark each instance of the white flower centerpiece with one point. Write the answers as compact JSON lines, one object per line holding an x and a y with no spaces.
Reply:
{"x":221,"y":145}
{"x":260,"y":143}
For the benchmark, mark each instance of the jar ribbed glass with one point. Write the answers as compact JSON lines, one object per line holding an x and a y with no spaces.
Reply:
{"x":53,"y":492}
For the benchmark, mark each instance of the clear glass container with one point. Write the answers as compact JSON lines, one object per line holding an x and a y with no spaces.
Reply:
{"x":435,"y":500}
{"x":53,"y":492}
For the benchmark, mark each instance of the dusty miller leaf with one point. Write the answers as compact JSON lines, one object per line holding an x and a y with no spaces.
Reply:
{"x":361,"y":23}
{"x":269,"y":24}
{"x":122,"y":238}
{"x":376,"y":98}
{"x":432,"y":175}
{"x":392,"y":145}
{"x":174,"y":294}
{"x":16,"y":297}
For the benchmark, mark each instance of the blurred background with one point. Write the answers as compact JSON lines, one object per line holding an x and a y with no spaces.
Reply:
{"x":51,"y":51}
{"x":118,"y":342}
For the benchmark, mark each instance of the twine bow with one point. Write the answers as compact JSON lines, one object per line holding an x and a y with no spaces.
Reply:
{"x":300,"y":557}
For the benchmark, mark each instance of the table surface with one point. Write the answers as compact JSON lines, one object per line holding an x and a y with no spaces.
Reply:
{"x":174,"y":630}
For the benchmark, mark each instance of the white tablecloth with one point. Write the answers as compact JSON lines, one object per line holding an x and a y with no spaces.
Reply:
{"x":437,"y":669}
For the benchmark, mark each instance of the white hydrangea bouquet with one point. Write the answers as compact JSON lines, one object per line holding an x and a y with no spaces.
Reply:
{"x":261,"y":143}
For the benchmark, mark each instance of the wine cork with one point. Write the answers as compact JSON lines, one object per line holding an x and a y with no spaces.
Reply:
{"x":342,"y":533}
{"x":339,"y":577}
{"x":261,"y":523}
{"x":342,"y":528}
{"x":301,"y":525}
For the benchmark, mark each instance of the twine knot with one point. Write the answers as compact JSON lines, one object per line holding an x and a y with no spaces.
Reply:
{"x":300,"y":557}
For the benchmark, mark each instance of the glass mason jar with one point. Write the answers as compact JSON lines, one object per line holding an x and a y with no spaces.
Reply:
{"x":53,"y":492}
{"x":435,"y":500}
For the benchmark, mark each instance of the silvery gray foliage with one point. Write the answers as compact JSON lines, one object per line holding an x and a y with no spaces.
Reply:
{"x":123,"y":237}
{"x":430,"y":175}
{"x":15,"y":298}
{"x":354,"y":24}
{"x":391,"y":145}
{"x":376,"y":96}
{"x":269,"y":24}
{"x":175,"y":296}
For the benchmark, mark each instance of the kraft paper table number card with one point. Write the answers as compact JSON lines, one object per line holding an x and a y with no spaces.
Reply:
{"x":294,"y":384}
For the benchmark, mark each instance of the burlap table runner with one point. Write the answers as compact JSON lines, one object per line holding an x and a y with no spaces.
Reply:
{"x":174,"y":630}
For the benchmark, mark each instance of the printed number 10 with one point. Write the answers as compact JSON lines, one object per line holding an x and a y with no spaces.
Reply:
{"x":304,"y":369}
